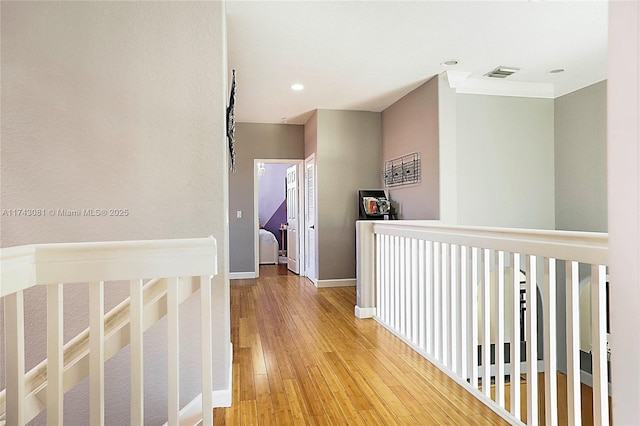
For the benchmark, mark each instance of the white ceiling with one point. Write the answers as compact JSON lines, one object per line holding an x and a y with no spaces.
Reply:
{"x":365,"y":55}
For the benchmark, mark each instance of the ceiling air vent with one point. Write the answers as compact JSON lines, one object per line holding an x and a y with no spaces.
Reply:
{"x":502,"y":72}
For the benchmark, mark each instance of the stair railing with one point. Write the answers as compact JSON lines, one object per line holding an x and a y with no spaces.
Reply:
{"x":175,"y":269}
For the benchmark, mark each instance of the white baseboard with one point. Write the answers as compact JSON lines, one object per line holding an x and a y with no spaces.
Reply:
{"x":223,"y":397}
{"x":365,"y":312}
{"x":241,"y":275}
{"x":348,"y":282}
{"x":191,"y":414}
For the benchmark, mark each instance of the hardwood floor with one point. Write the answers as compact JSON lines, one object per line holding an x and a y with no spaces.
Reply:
{"x":302,"y":357}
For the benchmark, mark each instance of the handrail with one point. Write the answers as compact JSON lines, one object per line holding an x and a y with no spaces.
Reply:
{"x":41,"y":264}
{"x":586,"y":247}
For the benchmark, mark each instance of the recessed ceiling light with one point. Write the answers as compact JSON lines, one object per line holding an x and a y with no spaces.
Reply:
{"x":450,"y":63}
{"x":297,"y":87}
{"x":556,"y":71}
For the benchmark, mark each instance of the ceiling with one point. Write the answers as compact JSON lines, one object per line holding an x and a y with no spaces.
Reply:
{"x":365,"y":55}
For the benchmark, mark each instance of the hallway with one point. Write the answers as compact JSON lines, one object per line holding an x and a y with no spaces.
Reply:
{"x":302,"y":357}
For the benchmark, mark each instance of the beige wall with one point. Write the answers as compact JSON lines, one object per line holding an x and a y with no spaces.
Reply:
{"x":254,"y":141}
{"x":347,"y":159}
{"x":117,"y":105}
{"x":411,"y":125}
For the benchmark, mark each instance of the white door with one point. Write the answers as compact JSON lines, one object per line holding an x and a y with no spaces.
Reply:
{"x":310,"y":217}
{"x":293,"y":248}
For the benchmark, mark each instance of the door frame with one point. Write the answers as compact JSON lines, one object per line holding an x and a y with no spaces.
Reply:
{"x":309,"y":159}
{"x":256,"y":221}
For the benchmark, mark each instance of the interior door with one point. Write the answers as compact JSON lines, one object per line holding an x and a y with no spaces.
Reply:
{"x":293,"y":247}
{"x":310,"y":217}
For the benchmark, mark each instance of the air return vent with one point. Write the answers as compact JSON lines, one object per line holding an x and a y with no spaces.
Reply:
{"x":502,"y":72}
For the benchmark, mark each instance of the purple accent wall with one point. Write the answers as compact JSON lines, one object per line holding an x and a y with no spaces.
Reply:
{"x":274,"y":222}
{"x":272,"y":189}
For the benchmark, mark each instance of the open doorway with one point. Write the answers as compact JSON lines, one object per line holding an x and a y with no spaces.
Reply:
{"x":278,"y":213}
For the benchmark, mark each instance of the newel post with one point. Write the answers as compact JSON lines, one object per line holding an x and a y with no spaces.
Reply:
{"x":365,"y":270}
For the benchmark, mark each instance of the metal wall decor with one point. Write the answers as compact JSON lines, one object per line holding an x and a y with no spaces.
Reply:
{"x":231,"y":122}
{"x":402,"y":170}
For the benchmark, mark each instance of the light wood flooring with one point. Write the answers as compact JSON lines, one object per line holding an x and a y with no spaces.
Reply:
{"x":302,"y":357}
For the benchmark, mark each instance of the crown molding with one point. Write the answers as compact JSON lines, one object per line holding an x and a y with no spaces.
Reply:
{"x":486,"y":86}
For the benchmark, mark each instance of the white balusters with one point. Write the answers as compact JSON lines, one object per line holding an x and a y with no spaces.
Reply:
{"x":379,"y":277}
{"x":532,"y":342}
{"x":136,"y":309}
{"x":464,"y":306}
{"x":395,"y":282}
{"x":574,"y":413}
{"x":173,"y":348}
{"x":207,"y":344}
{"x":96,"y":355}
{"x":453,"y":300}
{"x":550,"y":357}
{"x":499,"y":338}
{"x":475,"y":325}
{"x":14,"y":349}
{"x":55,"y":355}
{"x":515,"y":337}
{"x":386,"y":261}
{"x":437,"y":302}
{"x":599,"y":345}
{"x":486,"y":322}
{"x":428,"y":274}
{"x":422,"y":297}
{"x":454,"y":307}
{"x":445,"y":305}
{"x":43,"y":387}
{"x":415,"y":315}
{"x":403,"y":306}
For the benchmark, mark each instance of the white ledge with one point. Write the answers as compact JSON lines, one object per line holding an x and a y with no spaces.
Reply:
{"x":40,"y":264}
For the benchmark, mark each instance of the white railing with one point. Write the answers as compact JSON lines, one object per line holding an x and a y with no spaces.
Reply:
{"x":177,"y":268}
{"x":440,"y":287}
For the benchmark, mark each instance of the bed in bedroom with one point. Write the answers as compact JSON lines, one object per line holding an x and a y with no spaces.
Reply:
{"x":268,"y":247}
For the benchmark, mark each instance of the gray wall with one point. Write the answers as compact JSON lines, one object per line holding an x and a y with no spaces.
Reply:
{"x":117,"y":105}
{"x":348,"y":158}
{"x":580,"y":176}
{"x":505,"y":162}
{"x":254,"y":141}
{"x":581,"y":159}
{"x":411,"y":125}
{"x":311,"y":135}
{"x":448,"y":150}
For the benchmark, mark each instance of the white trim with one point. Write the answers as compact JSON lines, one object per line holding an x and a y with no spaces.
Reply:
{"x":256,"y":221}
{"x":41,"y":264}
{"x":223,"y":397}
{"x":242,"y":275}
{"x":487,"y":86}
{"x":309,"y":159}
{"x":347,"y":282}
{"x":365,"y":312}
{"x":585,"y":247}
{"x":191,"y":414}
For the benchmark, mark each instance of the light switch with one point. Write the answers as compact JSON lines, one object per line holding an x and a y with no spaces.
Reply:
{"x":239,"y":214}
